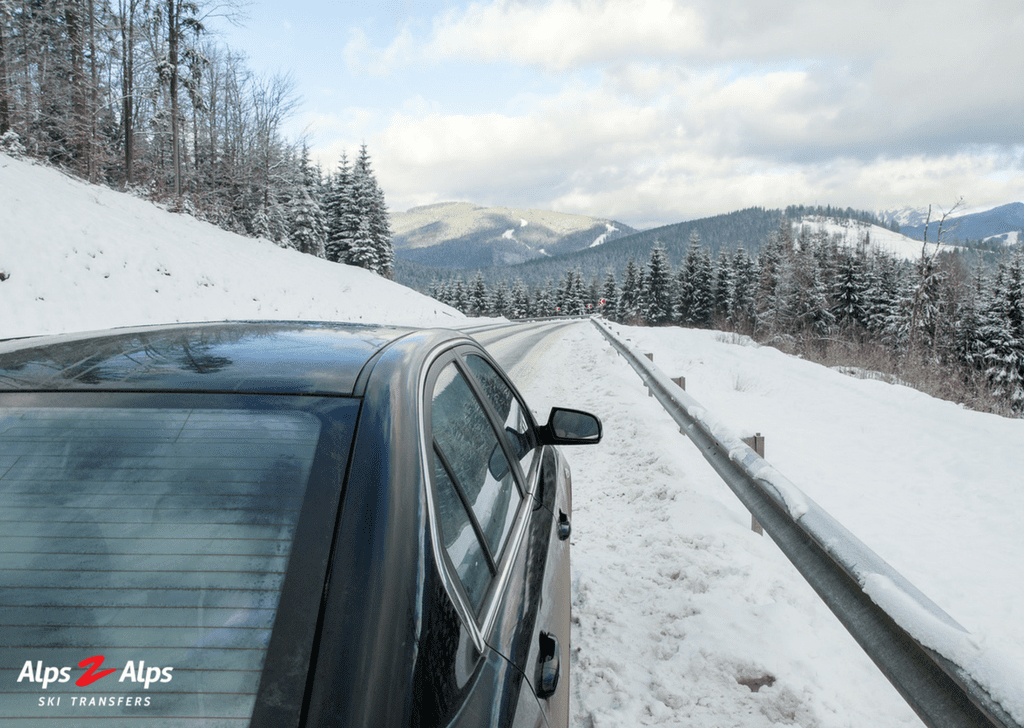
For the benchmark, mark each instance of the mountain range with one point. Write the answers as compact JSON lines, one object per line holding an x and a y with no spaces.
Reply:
{"x":464,"y":235}
{"x":446,"y":239}
{"x":1003,"y":224}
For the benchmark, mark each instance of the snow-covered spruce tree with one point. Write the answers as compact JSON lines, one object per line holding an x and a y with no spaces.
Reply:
{"x":358,"y":229}
{"x":1002,"y":332}
{"x":805,"y":300}
{"x":363,"y":251}
{"x":340,"y":213}
{"x":308,"y":232}
{"x":849,"y":292}
{"x":375,"y":211}
{"x":702,"y":307}
{"x":629,"y":296}
{"x":478,"y":298}
{"x":657,"y":291}
{"x":460,"y":296}
{"x":924,"y":304}
{"x":883,"y":293}
{"x":571,"y":298}
{"x":608,"y":302}
{"x":682,"y":297}
{"x":772,"y":265}
{"x":499,"y":303}
{"x":725,"y":285}
{"x":744,"y":284}
{"x":519,"y":305}
{"x":580,"y":292}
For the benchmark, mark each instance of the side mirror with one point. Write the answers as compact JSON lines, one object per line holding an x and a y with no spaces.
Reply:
{"x":571,"y":427}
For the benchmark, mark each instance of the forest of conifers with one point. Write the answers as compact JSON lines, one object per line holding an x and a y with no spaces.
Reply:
{"x":953,"y":330}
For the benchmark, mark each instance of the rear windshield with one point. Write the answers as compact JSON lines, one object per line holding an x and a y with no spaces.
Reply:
{"x":142,"y":554}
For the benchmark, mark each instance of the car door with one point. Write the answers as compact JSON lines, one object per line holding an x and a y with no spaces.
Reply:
{"x":490,"y":478}
{"x":536,"y":607}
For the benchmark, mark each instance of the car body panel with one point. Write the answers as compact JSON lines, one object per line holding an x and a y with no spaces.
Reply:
{"x":372,"y":626}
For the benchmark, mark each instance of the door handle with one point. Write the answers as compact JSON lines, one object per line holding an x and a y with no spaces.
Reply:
{"x":547,"y":665}
{"x":564,"y":527}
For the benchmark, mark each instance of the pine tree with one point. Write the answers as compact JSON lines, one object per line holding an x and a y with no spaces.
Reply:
{"x":571,"y":299}
{"x":358,"y":230}
{"x":772,"y":265}
{"x":683,"y":295}
{"x":609,"y":297}
{"x":363,"y":251}
{"x":340,"y":212}
{"x":519,"y":306}
{"x":744,"y":283}
{"x":380,"y":256}
{"x":545,"y":300}
{"x":478,"y":297}
{"x":702,"y":308}
{"x":657,"y":297}
{"x":849,"y":294}
{"x":725,"y":287}
{"x":460,"y":297}
{"x":629,"y":297}
{"x":1002,"y":332}
{"x":500,"y":303}
{"x":308,"y":222}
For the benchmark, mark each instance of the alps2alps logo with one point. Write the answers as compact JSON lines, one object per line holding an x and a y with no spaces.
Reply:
{"x":48,"y":675}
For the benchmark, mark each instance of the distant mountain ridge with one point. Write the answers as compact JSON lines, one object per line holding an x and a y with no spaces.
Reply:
{"x":1005,"y":222}
{"x":747,"y":228}
{"x":464,"y":235}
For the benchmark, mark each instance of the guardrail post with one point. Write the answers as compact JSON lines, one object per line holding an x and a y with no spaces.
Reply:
{"x":756,"y":444}
{"x":681,"y":383}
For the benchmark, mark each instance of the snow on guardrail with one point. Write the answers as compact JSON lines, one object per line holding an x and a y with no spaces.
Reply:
{"x":938,"y":667}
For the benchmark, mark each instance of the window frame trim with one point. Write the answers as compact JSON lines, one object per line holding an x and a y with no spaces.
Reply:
{"x":479,"y":625}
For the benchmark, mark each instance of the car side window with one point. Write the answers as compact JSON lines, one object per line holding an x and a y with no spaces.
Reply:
{"x":470,"y":465}
{"x":511,"y":411}
{"x":460,"y":539}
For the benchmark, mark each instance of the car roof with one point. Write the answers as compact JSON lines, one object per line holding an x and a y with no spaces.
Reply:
{"x":279,"y":357}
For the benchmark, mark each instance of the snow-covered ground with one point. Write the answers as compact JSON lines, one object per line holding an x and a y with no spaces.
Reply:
{"x":854,"y":233}
{"x":676,"y":601}
{"x":680,"y":609}
{"x":78,"y":257}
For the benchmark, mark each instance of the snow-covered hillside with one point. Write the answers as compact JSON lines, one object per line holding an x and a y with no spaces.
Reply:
{"x":78,"y":257}
{"x":874,"y":239}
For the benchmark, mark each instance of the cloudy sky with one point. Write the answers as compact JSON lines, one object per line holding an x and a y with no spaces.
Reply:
{"x":654,"y":111}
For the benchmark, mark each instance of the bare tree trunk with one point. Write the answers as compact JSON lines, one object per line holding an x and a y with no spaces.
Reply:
{"x":128,"y":86}
{"x":5,"y":109}
{"x":173,"y":9}
{"x":93,"y":90}
{"x":78,"y":123}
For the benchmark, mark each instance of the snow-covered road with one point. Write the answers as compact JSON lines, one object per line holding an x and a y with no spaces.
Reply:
{"x":679,"y":609}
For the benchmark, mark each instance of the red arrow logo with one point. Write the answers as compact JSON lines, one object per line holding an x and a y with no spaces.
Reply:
{"x":91,"y":676}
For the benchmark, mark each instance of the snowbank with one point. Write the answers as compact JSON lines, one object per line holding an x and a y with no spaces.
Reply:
{"x":79,"y":257}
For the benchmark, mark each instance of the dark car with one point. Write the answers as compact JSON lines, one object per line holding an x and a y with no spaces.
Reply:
{"x":279,"y":524}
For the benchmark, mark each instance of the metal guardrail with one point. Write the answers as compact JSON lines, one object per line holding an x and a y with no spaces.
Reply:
{"x":923,"y":652}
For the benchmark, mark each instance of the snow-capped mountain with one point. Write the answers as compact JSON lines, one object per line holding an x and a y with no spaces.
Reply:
{"x":463,"y":235}
{"x":906,"y":216}
{"x":1005,"y":223}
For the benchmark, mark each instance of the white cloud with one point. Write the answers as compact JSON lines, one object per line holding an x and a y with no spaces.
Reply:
{"x":564,"y":34}
{"x":704,"y":106}
{"x":597,"y":152}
